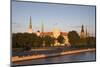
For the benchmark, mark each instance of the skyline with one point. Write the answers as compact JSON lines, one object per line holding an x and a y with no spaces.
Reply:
{"x":65,"y":17}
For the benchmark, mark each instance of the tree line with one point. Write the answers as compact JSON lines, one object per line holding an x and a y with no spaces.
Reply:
{"x":21,"y":40}
{"x":78,"y":42}
{"x":28,"y":41}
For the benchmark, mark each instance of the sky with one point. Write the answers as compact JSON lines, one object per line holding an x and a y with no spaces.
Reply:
{"x":65,"y":17}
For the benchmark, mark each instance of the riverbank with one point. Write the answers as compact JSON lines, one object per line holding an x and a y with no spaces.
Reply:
{"x":32,"y":57}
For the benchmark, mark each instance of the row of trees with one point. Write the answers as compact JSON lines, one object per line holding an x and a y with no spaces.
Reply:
{"x":21,"y":40}
{"x":28,"y":41}
{"x":78,"y":42}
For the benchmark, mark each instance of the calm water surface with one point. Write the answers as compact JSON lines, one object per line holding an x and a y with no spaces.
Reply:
{"x":85,"y":56}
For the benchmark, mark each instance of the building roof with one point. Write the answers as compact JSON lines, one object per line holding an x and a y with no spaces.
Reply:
{"x":51,"y":33}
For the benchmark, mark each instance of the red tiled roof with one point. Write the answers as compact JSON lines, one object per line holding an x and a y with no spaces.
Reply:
{"x":47,"y":33}
{"x":51,"y":33}
{"x":64,"y":33}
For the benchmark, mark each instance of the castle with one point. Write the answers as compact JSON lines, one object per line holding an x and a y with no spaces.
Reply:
{"x":56,"y":33}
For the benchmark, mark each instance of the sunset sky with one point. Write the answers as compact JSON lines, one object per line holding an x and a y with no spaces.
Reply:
{"x":65,"y":17}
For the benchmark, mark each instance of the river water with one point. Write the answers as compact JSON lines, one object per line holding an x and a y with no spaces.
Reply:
{"x":84,"y":56}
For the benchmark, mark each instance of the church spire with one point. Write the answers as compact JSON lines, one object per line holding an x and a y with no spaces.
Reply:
{"x":87,"y":33}
{"x":82,"y":32}
{"x":42,"y":27}
{"x":82,"y":29}
{"x":30,"y":26}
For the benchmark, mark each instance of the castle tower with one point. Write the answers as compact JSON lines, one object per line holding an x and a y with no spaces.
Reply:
{"x":30,"y":26}
{"x":82,"y":32}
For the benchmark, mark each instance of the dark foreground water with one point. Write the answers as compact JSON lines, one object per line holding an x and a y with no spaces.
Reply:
{"x":85,"y":56}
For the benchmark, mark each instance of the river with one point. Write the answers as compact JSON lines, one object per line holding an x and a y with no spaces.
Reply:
{"x":84,"y":56}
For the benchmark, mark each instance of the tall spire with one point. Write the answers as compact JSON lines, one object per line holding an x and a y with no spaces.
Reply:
{"x":82,"y":29}
{"x":42,"y":27}
{"x":87,"y":33}
{"x":30,"y":26}
{"x":82,"y":32}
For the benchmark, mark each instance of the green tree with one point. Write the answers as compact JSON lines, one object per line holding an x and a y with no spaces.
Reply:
{"x":91,"y":41}
{"x":73,"y":37}
{"x":38,"y":41}
{"x":48,"y":40}
{"x":61,"y":39}
{"x":23,"y":40}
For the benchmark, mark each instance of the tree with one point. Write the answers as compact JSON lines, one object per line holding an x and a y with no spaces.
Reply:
{"x":17,"y":40}
{"x":73,"y":37}
{"x":48,"y":40}
{"x":14,"y":41}
{"x":38,"y":41}
{"x":91,"y":41}
{"x":23,"y":40}
{"x":61,"y":39}
{"x":28,"y":40}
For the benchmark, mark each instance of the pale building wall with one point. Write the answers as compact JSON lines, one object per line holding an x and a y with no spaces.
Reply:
{"x":56,"y":32}
{"x":30,"y":30}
